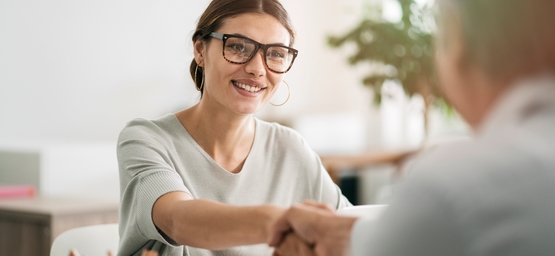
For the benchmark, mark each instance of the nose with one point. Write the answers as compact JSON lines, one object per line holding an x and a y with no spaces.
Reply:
{"x":256,"y":65}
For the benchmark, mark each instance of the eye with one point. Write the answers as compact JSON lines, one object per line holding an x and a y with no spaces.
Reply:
{"x":277,"y":53}
{"x":237,"y":48}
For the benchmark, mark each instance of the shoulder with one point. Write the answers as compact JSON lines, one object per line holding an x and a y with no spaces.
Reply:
{"x":278,"y":133}
{"x":155,"y":130}
{"x":479,"y":166}
{"x":281,"y":142}
{"x":504,"y":150}
{"x":454,"y":161}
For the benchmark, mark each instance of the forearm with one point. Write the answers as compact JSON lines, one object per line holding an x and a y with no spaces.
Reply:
{"x":212,"y":225}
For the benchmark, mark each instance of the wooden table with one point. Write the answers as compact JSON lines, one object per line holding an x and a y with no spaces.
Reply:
{"x":28,"y":226}
{"x":338,"y":163}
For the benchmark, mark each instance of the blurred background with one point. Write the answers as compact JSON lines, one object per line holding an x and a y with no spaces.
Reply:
{"x":73,"y":73}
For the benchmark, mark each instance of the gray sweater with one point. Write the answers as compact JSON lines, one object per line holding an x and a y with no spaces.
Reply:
{"x":159,"y":156}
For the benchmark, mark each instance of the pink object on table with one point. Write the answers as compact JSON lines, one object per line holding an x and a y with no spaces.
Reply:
{"x":17,"y":191}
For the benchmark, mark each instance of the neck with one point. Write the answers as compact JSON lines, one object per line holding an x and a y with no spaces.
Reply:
{"x":482,"y":99}
{"x":225,"y":136}
{"x":217,"y":129}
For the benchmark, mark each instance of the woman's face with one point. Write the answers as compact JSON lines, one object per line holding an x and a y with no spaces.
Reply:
{"x":225,"y":82}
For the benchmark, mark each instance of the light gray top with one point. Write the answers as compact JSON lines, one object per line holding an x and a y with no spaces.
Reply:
{"x":494,"y":195}
{"x":159,"y":156}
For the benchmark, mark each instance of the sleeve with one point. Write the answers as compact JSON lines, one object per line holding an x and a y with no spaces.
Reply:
{"x":328,"y":191}
{"x":146,"y":173}
{"x":299,"y":159}
{"x":331,"y":193}
{"x":418,"y":221}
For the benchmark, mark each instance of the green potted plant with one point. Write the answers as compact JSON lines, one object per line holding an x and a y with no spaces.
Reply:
{"x":401,"y":51}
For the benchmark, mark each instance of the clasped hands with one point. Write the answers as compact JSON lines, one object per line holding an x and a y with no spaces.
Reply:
{"x":310,"y":229}
{"x":305,"y":229}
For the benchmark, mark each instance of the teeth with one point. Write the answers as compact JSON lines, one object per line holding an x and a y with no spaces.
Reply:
{"x":247,"y":87}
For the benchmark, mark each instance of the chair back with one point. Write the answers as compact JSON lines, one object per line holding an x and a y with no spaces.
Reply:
{"x":88,"y":241}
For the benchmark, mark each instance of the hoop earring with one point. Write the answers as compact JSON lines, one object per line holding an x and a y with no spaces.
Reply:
{"x":288,"y":95}
{"x":195,"y":80}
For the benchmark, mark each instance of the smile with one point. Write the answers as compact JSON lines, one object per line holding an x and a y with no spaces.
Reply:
{"x":247,"y":88}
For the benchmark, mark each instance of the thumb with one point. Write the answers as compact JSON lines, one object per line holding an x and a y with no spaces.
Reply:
{"x":73,"y":252}
{"x":277,"y":231}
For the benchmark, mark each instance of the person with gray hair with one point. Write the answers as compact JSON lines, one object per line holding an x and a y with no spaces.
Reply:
{"x":492,"y":195}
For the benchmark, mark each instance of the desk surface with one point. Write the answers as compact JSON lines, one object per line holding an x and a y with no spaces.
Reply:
{"x":366,"y":158}
{"x":337,"y":163}
{"x":55,"y":206}
{"x":29,"y":225}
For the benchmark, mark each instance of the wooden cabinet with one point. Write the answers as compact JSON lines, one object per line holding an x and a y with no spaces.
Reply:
{"x":28,"y":226}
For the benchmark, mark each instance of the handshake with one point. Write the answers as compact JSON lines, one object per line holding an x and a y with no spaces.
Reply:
{"x":311,"y":229}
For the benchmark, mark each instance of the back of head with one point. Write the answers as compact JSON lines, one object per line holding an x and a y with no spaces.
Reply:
{"x":506,"y":39}
{"x":219,"y":10}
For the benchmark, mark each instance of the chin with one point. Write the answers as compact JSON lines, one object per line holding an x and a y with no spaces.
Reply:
{"x":247,"y":110}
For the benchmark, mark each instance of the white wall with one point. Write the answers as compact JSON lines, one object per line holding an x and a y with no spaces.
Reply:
{"x":79,"y":70}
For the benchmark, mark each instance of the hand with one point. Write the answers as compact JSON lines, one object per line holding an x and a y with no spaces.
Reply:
{"x":74,"y":252}
{"x":149,"y":253}
{"x":293,"y":245}
{"x":315,"y":224}
{"x":298,"y":212}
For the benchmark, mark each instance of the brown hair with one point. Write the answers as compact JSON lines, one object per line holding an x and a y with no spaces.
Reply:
{"x":218,"y":10}
{"x":505,"y":38}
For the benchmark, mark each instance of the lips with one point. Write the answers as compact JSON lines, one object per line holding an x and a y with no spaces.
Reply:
{"x":246,"y":87}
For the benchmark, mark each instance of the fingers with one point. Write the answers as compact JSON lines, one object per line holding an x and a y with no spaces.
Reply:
{"x":293,"y":245}
{"x":149,"y":253}
{"x":74,"y":252}
{"x":287,"y":223}
{"x":278,"y":229}
{"x":315,"y":224}
{"x":303,"y":219}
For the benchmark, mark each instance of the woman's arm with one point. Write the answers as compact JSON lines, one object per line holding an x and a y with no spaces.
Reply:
{"x":212,"y":225}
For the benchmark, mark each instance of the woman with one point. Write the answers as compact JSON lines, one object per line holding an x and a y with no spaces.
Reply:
{"x":213,"y":177}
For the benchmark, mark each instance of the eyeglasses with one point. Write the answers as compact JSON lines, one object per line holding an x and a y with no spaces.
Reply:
{"x":240,"y":50}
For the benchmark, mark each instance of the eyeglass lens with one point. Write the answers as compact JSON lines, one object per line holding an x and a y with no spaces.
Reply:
{"x":241,"y":50}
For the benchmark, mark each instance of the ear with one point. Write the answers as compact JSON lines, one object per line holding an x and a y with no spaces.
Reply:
{"x":456,"y":45}
{"x":200,"y":52}
{"x":450,"y":44}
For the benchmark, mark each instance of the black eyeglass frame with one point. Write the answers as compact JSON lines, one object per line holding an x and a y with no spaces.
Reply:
{"x":257,"y":46}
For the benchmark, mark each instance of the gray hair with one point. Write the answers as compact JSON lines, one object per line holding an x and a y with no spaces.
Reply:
{"x":504,"y":38}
